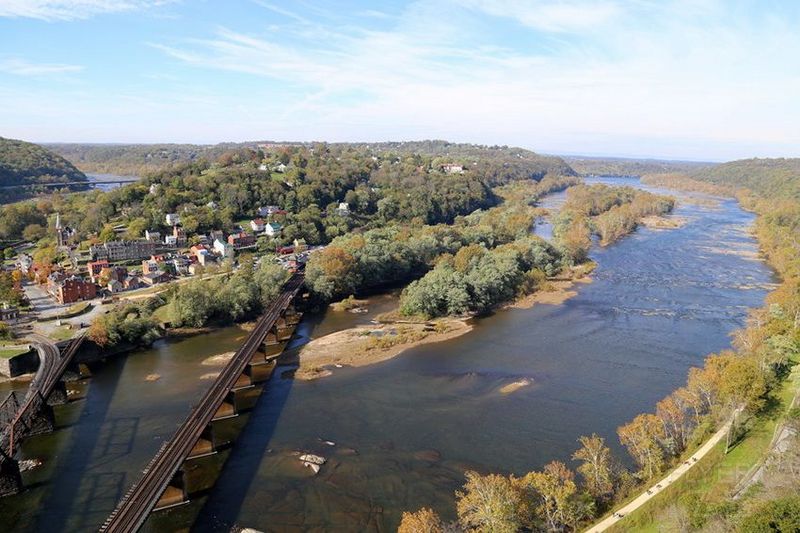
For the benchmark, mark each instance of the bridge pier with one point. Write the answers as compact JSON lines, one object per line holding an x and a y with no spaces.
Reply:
{"x":58,"y":396}
{"x":206,"y":444}
{"x":227,"y":408}
{"x":10,"y":478}
{"x":175,"y":494}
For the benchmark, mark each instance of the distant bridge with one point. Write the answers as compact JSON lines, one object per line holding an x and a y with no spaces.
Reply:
{"x":162,"y":484}
{"x":34,"y":414}
{"x":122,"y":180}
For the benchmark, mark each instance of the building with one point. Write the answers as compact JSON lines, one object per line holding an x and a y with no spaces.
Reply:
{"x":241,"y":240}
{"x":131,"y":282}
{"x":173,"y":219}
{"x":8,"y":312}
{"x":24,"y":263}
{"x":272,"y":229}
{"x":122,"y":250}
{"x":257,"y":225}
{"x":180,"y":235}
{"x":153,"y":188}
{"x":216,"y":235}
{"x":115,"y":286}
{"x":452,"y":168}
{"x":268,"y":210}
{"x":152,"y":236}
{"x":151,"y":265}
{"x":95,"y":267}
{"x":154,"y":278}
{"x":281,"y":168}
{"x":343,"y":209}
{"x":73,"y":289}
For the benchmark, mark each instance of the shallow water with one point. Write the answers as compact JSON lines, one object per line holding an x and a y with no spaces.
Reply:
{"x":406,"y":429}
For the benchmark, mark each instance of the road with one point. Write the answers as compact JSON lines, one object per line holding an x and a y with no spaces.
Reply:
{"x":661,"y":485}
{"x":137,"y":504}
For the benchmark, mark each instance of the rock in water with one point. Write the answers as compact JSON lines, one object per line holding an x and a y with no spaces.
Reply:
{"x":311,"y":458}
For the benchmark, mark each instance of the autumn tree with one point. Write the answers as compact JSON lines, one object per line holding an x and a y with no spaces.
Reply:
{"x":672,"y":413}
{"x":596,"y":468}
{"x":423,"y":521}
{"x":489,"y":503}
{"x":552,"y":494}
{"x":642,"y":437}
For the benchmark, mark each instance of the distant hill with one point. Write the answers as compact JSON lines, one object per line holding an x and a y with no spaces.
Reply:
{"x":619,"y":166}
{"x":770,"y":178}
{"x":142,"y":159}
{"x":24,"y":163}
{"x":137,"y":159}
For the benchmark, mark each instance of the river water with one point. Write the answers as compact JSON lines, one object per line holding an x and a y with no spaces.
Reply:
{"x":405,"y":430}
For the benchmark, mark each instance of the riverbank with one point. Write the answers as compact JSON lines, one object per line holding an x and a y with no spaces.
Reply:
{"x":366,"y":345}
{"x":558,"y":290}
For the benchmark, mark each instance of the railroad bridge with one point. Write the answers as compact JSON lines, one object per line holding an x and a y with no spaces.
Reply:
{"x":32,"y":414}
{"x":163,"y":482}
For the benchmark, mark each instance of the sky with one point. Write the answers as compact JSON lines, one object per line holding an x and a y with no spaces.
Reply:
{"x":680,"y":79}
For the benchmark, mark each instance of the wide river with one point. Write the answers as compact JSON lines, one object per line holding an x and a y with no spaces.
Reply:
{"x":406,"y":430}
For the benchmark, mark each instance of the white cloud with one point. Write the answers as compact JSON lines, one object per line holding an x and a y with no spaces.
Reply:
{"x":551,"y":15}
{"x":21,"y":67}
{"x":52,"y":10}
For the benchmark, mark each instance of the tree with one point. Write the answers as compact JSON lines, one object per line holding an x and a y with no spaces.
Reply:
{"x":136,"y":228}
{"x":552,"y":492}
{"x":33,"y":232}
{"x":423,"y":521}
{"x":489,"y":503}
{"x":672,"y":413}
{"x":107,"y":233}
{"x":596,"y":468}
{"x":781,"y":515}
{"x":642,"y":437}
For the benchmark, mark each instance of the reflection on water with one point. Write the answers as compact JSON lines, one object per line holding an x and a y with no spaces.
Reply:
{"x":406,"y":429}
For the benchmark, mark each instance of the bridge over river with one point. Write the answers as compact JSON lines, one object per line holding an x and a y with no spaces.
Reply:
{"x":162,"y":484}
{"x":34,"y":414}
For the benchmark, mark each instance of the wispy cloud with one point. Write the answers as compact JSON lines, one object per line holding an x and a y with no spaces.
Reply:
{"x":54,"y":10}
{"x":669,"y":76}
{"x":551,"y":15}
{"x":21,"y":67}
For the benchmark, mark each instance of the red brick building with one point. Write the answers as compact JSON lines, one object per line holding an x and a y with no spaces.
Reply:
{"x":74,"y":289}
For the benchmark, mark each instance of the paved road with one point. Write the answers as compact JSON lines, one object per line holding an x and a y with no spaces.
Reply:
{"x":654,"y":490}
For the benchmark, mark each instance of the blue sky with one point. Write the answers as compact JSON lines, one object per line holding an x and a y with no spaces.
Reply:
{"x":700,"y":79}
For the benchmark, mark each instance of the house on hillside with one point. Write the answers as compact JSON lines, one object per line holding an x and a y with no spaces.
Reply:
{"x":272,"y":229}
{"x":452,"y":168}
{"x":173,"y":219}
{"x":257,"y":225}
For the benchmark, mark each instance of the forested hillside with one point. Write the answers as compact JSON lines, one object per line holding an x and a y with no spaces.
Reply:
{"x":142,"y":159}
{"x":135,"y":159}
{"x":24,"y":163}
{"x":771,"y":178}
{"x":618,"y":166}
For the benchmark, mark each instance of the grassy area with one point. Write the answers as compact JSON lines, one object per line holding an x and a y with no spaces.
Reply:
{"x":8,"y":353}
{"x":61,"y":333}
{"x":716,"y":476}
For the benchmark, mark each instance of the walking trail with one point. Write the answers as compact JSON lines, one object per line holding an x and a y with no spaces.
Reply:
{"x":654,"y":490}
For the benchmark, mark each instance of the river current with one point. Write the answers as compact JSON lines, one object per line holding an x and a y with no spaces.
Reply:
{"x":404,"y":431}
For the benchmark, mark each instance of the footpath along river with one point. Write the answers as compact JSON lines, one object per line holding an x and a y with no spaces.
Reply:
{"x":406,"y":429}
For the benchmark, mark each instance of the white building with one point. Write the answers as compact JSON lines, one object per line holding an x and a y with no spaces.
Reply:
{"x":257,"y":225}
{"x":272,"y":229}
{"x":343,"y":209}
{"x":152,"y":236}
{"x":173,"y":218}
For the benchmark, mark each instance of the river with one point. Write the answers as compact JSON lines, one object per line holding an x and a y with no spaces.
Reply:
{"x":406,"y":429}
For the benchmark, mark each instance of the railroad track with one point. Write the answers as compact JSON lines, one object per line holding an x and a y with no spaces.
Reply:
{"x":139,"y":501}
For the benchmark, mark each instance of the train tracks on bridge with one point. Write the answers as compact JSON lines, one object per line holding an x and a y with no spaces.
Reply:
{"x":141,"y":499}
